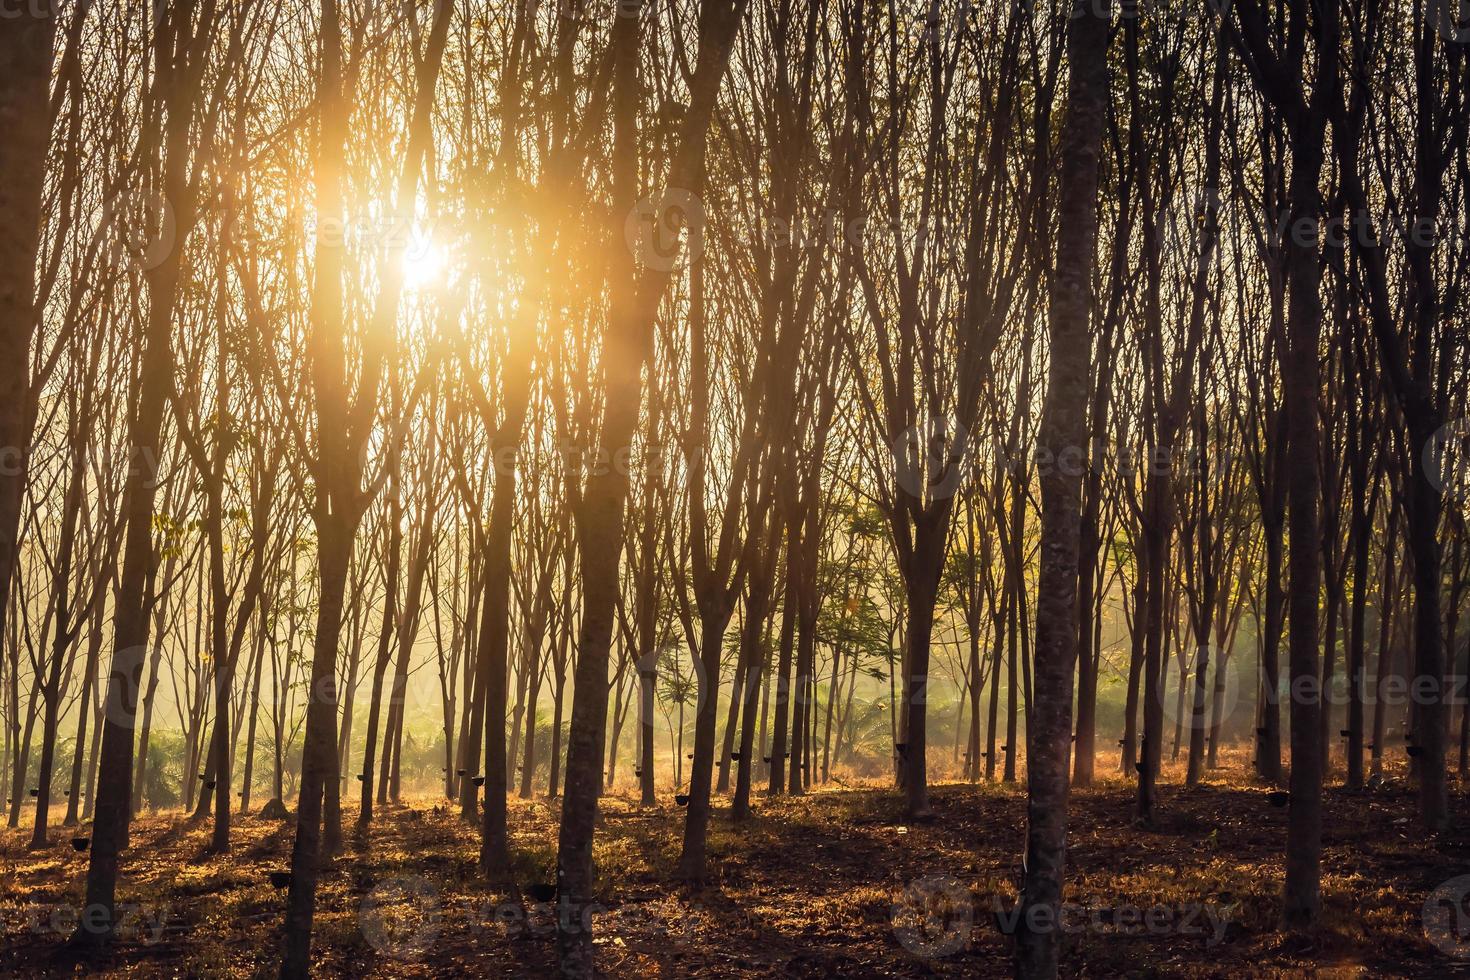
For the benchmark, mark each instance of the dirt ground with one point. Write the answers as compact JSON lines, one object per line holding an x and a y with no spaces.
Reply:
{"x":834,"y":884}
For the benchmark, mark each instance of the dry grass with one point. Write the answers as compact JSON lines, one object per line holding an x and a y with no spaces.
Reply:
{"x":814,"y":886}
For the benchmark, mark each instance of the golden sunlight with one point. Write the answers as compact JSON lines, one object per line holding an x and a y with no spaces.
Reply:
{"x":972,"y":488}
{"x":424,"y":263}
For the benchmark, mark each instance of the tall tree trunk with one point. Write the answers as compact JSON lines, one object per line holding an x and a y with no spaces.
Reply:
{"x":1198,"y":722}
{"x":1128,"y":759}
{"x":757,"y":609}
{"x":923,"y":589}
{"x":696,"y":823}
{"x":63,"y":634}
{"x":633,"y":305}
{"x":145,"y":730}
{"x":533,"y":694}
{"x":84,"y":709}
{"x":26,"y":56}
{"x":1012,"y":687}
{"x":1063,"y":424}
{"x":779,"y":753}
{"x":804,"y":709}
{"x":732,"y":721}
{"x":495,"y":651}
{"x":176,"y":74}
{"x":384,"y":652}
{"x":998,"y":630}
{"x":647,"y":683}
{"x":1301,"y":382}
{"x":1268,"y":735}
{"x":247,"y":775}
{"x":318,"y":760}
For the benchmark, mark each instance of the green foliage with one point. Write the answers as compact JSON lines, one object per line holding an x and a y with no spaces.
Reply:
{"x":676,"y":681}
{"x":163,"y":785}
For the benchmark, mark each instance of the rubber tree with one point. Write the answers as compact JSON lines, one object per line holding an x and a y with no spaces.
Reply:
{"x":634,"y":296}
{"x":180,"y":53}
{"x":1063,"y":425}
{"x":345,"y":421}
{"x":1278,"y":67}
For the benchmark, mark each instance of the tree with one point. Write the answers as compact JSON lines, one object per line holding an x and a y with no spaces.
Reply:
{"x":180,"y":57}
{"x":1278,"y":71}
{"x":344,"y":424}
{"x":633,"y":303}
{"x":1063,"y":425}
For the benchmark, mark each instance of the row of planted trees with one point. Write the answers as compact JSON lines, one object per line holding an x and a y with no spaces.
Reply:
{"x":732,"y":354}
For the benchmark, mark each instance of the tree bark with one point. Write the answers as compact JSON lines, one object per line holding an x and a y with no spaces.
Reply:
{"x":1063,"y":424}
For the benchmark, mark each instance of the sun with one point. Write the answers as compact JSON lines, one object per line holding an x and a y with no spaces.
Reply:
{"x":423,"y":265}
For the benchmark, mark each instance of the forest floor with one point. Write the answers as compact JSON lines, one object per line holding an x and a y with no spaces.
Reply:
{"x":833,"y":884}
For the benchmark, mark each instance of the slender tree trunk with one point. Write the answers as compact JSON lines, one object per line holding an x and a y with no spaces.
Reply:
{"x":732,"y":724}
{"x":834,"y":698}
{"x":558,"y":702}
{"x":972,"y":743}
{"x":22,"y":763}
{"x":495,"y":649}
{"x":647,"y":684}
{"x":1198,"y":722}
{"x":247,"y":776}
{"x":26,"y":58}
{"x":777,"y":758}
{"x":318,"y":761}
{"x":84,"y":712}
{"x":63,"y":634}
{"x":1301,"y":383}
{"x":923,"y":589}
{"x":757,"y":608}
{"x":533,"y":693}
{"x":140,"y":774}
{"x":1063,"y":424}
{"x":47,"y":763}
{"x":1012,"y":689}
{"x":114,"y":801}
{"x":1128,"y":759}
{"x":381,"y":661}
{"x":998,"y":628}
{"x":1268,"y":750}
{"x":701,"y":772}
